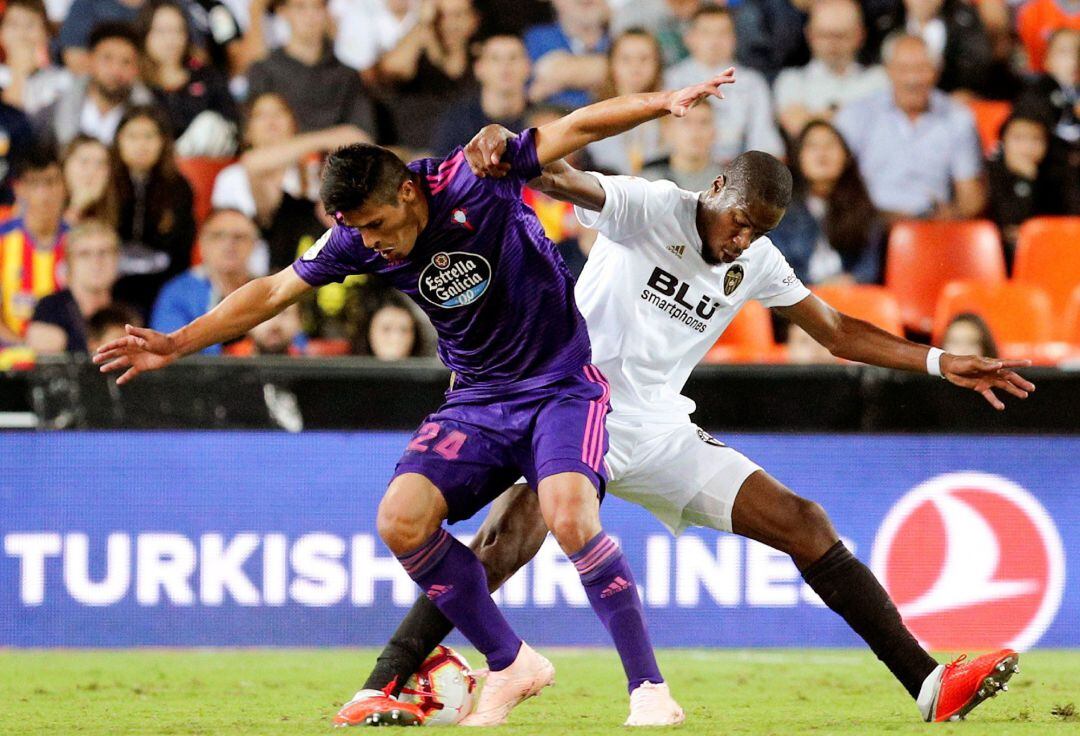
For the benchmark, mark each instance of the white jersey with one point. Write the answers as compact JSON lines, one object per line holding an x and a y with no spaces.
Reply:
{"x":652,"y":304}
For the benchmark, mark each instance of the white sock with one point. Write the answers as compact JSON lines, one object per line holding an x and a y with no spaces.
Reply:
{"x":928,"y":692}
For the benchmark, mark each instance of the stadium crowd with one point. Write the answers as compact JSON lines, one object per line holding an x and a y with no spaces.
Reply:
{"x":157,"y":154}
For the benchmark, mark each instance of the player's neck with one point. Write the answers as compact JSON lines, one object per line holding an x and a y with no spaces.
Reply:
{"x":701,"y":223}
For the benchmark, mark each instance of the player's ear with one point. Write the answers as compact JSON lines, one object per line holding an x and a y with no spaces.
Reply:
{"x":718,"y":184}
{"x":407,"y":191}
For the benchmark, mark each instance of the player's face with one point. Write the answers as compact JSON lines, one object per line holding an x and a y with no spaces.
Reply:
{"x":729,"y":223}
{"x":390,"y":228}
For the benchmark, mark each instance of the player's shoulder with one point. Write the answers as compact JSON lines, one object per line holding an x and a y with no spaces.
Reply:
{"x":11,"y":225}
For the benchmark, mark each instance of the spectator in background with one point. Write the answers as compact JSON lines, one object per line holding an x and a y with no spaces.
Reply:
{"x":220,"y":35}
{"x":635,"y":65}
{"x":968,"y":334}
{"x":32,"y":244}
{"x":771,"y":34}
{"x":29,"y":79}
{"x":108,"y":324}
{"x":668,"y":20}
{"x":569,"y":56}
{"x":502,"y":69}
{"x":279,"y":168}
{"x":393,"y":332}
{"x":76,"y":33}
{"x":321,"y":91}
{"x":282,"y":334}
{"x":87,"y":173}
{"x":1036,"y":22}
{"x":367,"y":29}
{"x":156,"y":225}
{"x":195,"y":96}
{"x":918,"y":151}
{"x":95,"y":104}
{"x":1022,"y":184}
{"x":59,"y":321}
{"x":430,"y":67}
{"x":744,"y":119}
{"x":16,"y":136}
{"x":226,"y":241}
{"x":833,"y":77}
{"x":953,"y":32}
{"x":1055,"y":97}
{"x":831,"y":231}
{"x":690,"y":140}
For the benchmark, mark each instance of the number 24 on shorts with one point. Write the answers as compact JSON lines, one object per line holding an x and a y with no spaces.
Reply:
{"x":448,"y":447}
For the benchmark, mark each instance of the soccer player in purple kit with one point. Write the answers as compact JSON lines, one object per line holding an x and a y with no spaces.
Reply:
{"x":524,"y":399}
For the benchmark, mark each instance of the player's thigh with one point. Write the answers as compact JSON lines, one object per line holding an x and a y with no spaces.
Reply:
{"x":466,"y":455}
{"x":767,"y":511}
{"x":568,"y":432}
{"x":511,"y":535}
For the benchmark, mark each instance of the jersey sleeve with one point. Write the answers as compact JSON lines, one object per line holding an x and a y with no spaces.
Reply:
{"x":524,"y":165}
{"x":779,"y":286}
{"x":630,"y":204}
{"x":337,"y":254}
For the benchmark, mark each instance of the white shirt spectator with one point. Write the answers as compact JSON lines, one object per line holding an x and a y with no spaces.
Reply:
{"x":744,"y":118}
{"x":629,"y":152}
{"x":100,"y":126}
{"x":909,"y":167}
{"x":366,"y":30}
{"x":819,"y":89}
{"x":42,"y":88}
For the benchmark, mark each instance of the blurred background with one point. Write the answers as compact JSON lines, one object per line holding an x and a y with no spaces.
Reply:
{"x":157,"y":154}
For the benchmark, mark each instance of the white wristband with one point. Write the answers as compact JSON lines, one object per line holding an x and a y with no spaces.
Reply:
{"x":933,"y":362}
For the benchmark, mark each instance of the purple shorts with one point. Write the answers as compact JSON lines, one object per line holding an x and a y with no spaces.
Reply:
{"x":473,"y":450}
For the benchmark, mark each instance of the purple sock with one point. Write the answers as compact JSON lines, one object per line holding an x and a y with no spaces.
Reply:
{"x":455,"y":581}
{"x":613,"y":595}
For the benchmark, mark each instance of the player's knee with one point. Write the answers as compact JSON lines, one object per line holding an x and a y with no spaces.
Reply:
{"x":816,"y":533}
{"x":400,"y":529}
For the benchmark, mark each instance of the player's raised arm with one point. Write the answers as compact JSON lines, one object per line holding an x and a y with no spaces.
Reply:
{"x":255,"y":302}
{"x":854,"y":339}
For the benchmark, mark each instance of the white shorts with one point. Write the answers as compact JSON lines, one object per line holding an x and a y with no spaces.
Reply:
{"x":676,"y":471}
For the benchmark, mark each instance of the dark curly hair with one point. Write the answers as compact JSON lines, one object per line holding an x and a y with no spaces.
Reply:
{"x":358,"y":173}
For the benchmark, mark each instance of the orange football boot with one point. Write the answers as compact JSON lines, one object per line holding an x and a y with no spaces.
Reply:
{"x":965,"y":684}
{"x":378,"y":708}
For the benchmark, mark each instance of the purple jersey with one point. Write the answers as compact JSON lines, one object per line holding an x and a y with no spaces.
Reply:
{"x":493,"y":285}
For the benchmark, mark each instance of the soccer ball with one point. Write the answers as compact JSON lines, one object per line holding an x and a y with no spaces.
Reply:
{"x":444,"y":688}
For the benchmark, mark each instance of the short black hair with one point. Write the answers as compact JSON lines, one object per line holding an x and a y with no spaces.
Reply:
{"x":112,"y":30}
{"x":115,"y":314}
{"x":34,"y":158}
{"x":358,"y":173}
{"x":760,"y":176}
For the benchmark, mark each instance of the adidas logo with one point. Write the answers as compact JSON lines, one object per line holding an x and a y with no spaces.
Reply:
{"x":617,"y":585}
{"x":436,"y":590}
{"x":678,"y":250}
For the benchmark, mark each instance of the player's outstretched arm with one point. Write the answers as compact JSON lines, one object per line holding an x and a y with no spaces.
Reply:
{"x":143,"y":350}
{"x":611,"y":117}
{"x":854,"y":339}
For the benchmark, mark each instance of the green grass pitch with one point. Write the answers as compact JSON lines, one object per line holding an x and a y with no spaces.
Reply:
{"x":297,"y":692}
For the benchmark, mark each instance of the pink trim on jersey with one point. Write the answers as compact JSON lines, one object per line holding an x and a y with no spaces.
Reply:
{"x":446,"y":172}
{"x":592,"y":445}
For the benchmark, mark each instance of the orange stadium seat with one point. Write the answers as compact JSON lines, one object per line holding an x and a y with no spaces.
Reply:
{"x":1018,"y":315}
{"x":1072,"y":318}
{"x":871,"y":303}
{"x":989,"y":115}
{"x":924,"y":255}
{"x":328,"y":347}
{"x":748,"y":339}
{"x":200,"y":173}
{"x":1048,"y":255}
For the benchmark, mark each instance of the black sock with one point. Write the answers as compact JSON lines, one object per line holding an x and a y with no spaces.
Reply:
{"x":848,"y":587}
{"x":421,"y":631}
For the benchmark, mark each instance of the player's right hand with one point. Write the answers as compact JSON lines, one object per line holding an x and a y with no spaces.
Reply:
{"x":139,"y":351}
{"x":484,"y":152}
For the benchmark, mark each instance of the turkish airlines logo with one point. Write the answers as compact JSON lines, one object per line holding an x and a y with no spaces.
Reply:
{"x":972,"y":560}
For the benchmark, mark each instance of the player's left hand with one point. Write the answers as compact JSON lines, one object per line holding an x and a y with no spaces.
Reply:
{"x":983,"y":375}
{"x":680,"y":101}
{"x":484,"y":152}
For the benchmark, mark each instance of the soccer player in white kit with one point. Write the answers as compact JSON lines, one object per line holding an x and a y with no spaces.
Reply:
{"x":667,"y":274}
